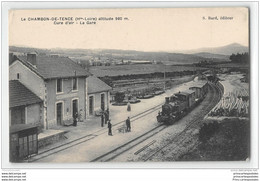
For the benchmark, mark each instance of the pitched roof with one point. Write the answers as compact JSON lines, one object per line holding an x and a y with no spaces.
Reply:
{"x":188,"y":91}
{"x":96,"y":85}
{"x":19,"y":95}
{"x":54,"y":67}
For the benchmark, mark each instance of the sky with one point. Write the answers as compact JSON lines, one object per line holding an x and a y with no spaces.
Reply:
{"x":162,"y":29}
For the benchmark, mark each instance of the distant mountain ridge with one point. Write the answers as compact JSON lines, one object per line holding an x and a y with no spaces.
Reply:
{"x":233,"y":48}
{"x":212,"y":55}
{"x":119,"y":55}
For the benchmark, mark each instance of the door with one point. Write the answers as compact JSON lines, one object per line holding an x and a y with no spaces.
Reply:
{"x":74,"y":107}
{"x":23,"y":147}
{"x":14,"y":146}
{"x":59,"y":113}
{"x":91,"y":105}
{"x":102,"y":102}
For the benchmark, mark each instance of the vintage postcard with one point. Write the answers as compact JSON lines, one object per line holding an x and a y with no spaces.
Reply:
{"x":129,"y":85}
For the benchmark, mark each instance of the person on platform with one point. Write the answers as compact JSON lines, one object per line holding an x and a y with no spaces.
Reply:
{"x":109,"y":125}
{"x":128,"y":106}
{"x":80,"y":115}
{"x":106,"y":113}
{"x":102,"y":120}
{"x":128,"y":125}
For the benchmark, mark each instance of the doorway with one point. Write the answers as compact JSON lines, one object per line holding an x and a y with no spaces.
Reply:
{"x":74,"y":108}
{"x":59,"y":115}
{"x":91,"y":105}
{"x":103,"y":102}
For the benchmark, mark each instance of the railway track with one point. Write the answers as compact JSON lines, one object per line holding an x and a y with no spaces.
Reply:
{"x":129,"y":145}
{"x":88,"y":137}
{"x":179,"y":139}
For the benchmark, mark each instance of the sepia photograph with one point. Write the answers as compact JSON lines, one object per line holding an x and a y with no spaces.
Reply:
{"x":139,"y":85}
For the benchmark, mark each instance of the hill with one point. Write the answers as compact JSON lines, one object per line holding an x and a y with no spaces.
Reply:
{"x":224,"y":50}
{"x":119,"y":55}
{"x":212,"y":55}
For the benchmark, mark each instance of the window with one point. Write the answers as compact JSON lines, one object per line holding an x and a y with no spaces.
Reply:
{"x":18,"y":76}
{"x":74,"y":83}
{"x":59,"y":85}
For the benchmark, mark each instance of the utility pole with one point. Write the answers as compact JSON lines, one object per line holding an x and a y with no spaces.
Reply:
{"x":164,"y":77}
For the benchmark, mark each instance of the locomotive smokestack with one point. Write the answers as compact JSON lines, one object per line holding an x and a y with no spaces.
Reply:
{"x":167,"y":100}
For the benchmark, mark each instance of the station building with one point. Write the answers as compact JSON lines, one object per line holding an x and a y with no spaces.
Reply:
{"x":59,"y":82}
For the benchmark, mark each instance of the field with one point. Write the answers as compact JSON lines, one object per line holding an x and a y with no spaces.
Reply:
{"x":229,"y":65}
{"x":150,"y":86}
{"x":101,"y":71}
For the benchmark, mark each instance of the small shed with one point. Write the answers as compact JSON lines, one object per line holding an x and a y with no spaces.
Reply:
{"x":23,"y":141}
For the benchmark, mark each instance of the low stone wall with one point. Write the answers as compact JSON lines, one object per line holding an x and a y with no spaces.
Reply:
{"x":42,"y":142}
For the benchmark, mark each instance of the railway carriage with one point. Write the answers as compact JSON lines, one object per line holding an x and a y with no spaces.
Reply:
{"x":200,"y":89}
{"x":187,"y":96}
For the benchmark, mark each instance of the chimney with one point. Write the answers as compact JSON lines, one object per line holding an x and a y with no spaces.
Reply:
{"x":11,"y":58}
{"x":31,"y":57}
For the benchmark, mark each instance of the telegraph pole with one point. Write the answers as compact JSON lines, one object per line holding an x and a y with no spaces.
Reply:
{"x":164,"y":77}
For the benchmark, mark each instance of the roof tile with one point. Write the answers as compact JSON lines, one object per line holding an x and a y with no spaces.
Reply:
{"x":55,"y":67}
{"x":96,"y":85}
{"x":19,"y":95}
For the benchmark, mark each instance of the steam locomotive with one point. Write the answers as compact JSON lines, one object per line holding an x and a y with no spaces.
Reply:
{"x":179,"y":104}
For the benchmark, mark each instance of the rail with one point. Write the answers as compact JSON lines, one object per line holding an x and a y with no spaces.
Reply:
{"x":179,"y":139}
{"x":88,"y":137}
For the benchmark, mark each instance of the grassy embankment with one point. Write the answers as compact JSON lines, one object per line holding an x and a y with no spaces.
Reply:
{"x":228,"y":140}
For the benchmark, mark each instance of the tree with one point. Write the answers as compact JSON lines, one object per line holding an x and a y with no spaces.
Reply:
{"x":240,"y":58}
{"x":119,"y":97}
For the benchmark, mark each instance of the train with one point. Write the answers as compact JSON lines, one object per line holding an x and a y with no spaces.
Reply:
{"x":180,"y":103}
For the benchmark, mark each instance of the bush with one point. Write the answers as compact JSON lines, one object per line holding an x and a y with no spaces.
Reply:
{"x":119,"y":97}
{"x":207,"y":130}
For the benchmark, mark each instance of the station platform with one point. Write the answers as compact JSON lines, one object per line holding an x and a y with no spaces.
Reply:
{"x":49,"y":137}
